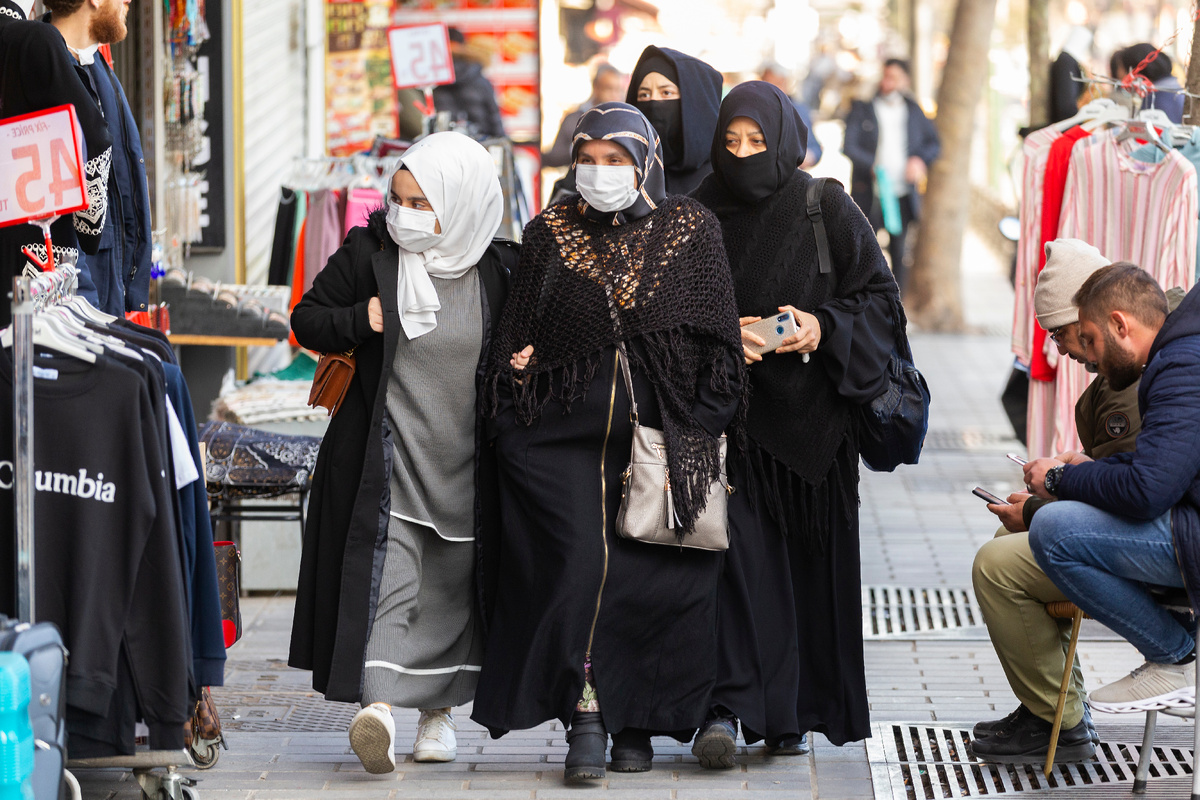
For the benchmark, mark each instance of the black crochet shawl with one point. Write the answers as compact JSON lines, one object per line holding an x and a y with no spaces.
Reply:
{"x":670,"y":283}
{"x":800,"y":417}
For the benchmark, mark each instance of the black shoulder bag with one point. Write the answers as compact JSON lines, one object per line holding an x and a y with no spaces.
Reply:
{"x":892,"y":427}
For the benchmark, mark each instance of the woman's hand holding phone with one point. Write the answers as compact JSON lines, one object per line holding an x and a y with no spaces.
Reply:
{"x":750,"y":337}
{"x":808,"y":336}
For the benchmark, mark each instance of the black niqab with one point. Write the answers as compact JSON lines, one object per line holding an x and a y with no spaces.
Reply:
{"x":686,"y":125}
{"x":754,"y":178}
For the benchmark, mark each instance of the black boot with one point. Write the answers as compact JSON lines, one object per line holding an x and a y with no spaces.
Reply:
{"x":632,"y":751}
{"x":588,"y":742}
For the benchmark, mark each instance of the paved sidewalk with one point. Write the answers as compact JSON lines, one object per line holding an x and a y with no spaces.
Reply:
{"x":920,"y":530}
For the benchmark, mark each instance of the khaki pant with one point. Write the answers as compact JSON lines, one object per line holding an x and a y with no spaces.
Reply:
{"x":1012,"y":591}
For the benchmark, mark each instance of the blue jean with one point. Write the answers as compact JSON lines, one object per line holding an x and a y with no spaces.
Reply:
{"x":1102,"y":563}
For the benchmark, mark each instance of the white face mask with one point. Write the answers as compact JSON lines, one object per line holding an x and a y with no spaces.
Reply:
{"x":412,"y":229}
{"x":607,"y":188}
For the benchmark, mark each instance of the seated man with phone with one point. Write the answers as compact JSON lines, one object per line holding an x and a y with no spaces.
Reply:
{"x":1130,"y":522}
{"x":1011,"y":588}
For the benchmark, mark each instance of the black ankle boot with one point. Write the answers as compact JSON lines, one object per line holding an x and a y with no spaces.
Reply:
{"x":587,"y":742}
{"x":632,"y":751}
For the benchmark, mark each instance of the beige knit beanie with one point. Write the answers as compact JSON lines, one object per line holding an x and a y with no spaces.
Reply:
{"x":1069,"y":262}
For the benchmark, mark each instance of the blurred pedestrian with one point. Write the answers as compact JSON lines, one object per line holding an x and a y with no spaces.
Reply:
{"x":891,"y":144}
{"x":386,"y":609}
{"x":608,"y":86}
{"x":790,"y":603}
{"x":680,"y":96}
{"x":607,"y":634}
{"x":779,"y":77}
{"x":471,"y":99}
{"x":1166,"y":89}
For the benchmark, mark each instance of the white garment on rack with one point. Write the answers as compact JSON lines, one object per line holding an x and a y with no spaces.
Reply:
{"x":181,"y":450}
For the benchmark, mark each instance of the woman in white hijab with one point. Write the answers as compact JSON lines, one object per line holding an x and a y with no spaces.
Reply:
{"x":386,"y":611}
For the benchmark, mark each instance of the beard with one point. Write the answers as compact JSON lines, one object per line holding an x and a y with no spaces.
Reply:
{"x":1120,"y":367}
{"x":108,"y":25}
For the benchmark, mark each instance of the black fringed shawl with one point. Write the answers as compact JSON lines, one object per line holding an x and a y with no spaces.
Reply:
{"x":800,"y":419}
{"x":671,"y":284}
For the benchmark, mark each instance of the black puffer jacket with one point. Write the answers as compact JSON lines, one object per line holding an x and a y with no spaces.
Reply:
{"x":471,"y":98}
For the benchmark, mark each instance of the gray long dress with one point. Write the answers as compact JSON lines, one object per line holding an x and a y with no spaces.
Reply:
{"x":425,"y":647}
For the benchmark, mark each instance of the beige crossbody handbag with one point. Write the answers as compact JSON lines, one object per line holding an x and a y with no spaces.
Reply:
{"x":647,"y":513}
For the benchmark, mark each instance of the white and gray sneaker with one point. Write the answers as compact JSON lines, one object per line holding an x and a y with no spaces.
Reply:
{"x":373,"y":738}
{"x":435,"y":736}
{"x":1150,"y":687}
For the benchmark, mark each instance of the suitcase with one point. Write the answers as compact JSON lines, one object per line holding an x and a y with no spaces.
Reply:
{"x":42,"y":646}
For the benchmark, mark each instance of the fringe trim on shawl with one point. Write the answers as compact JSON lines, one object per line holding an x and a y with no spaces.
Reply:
{"x":693,"y":456}
{"x":806,"y":514}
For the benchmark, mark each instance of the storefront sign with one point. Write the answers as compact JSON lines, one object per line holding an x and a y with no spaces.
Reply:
{"x":41,"y":166}
{"x":420,"y":56}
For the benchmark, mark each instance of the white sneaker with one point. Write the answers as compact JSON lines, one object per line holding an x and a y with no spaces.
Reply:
{"x":1150,"y":687}
{"x":373,"y":738}
{"x":435,"y":736}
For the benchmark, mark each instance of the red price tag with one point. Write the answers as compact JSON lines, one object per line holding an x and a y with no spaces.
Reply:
{"x":41,"y":166}
{"x":420,"y":55}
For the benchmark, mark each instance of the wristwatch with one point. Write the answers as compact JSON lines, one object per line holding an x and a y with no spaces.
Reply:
{"x":1053,"y":477}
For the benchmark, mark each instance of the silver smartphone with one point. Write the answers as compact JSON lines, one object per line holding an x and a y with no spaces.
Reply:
{"x":773,"y":331}
{"x":1016,"y":459}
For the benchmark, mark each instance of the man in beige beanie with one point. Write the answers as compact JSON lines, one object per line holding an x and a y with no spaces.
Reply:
{"x":1011,"y":588}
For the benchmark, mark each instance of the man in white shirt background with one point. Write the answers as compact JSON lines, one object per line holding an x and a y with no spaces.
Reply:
{"x":890,"y":143}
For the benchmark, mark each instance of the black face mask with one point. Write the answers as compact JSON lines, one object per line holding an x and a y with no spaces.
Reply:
{"x":665,"y":116}
{"x":750,"y":179}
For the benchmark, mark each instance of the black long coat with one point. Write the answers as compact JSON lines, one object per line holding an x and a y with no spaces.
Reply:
{"x":345,"y":535}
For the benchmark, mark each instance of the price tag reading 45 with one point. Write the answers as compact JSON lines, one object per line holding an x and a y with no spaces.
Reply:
{"x":420,"y":55}
{"x":41,"y":166}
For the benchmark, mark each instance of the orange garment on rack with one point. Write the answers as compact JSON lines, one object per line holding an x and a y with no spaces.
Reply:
{"x":297,"y":277}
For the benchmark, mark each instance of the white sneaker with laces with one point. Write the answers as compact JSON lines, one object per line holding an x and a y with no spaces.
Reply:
{"x":373,"y":738}
{"x":435,"y":736}
{"x":1150,"y":687}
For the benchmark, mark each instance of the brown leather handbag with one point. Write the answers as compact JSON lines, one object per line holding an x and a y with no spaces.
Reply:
{"x":332,"y":380}
{"x":229,"y":590}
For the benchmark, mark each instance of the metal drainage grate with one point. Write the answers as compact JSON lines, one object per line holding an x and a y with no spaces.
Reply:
{"x":890,"y":611}
{"x":293,"y":712}
{"x":920,"y":762}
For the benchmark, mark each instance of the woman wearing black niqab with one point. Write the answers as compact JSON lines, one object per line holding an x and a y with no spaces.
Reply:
{"x":790,"y":631}
{"x":606,"y":634}
{"x":685,"y":115}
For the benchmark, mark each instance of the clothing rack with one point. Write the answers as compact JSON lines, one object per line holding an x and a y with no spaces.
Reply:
{"x":1149,"y":88}
{"x":30,"y":295}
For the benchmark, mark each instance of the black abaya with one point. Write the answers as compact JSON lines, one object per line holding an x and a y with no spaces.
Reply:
{"x":654,"y":607}
{"x":791,"y":639}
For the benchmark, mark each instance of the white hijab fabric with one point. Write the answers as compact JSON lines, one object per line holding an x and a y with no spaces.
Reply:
{"x":458,"y":176}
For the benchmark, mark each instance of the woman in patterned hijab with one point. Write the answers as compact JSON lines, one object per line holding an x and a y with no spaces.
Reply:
{"x":578,"y":618}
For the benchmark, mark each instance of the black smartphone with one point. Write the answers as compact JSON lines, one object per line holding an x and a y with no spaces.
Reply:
{"x":984,"y":494}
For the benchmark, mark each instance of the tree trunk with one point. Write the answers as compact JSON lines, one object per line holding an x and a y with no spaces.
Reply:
{"x":1039,"y":63}
{"x":934,"y":299}
{"x":1191,"y":105}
